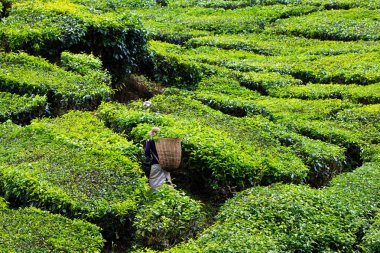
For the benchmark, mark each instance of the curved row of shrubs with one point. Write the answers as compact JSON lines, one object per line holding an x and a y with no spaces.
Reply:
{"x":298,"y":218}
{"x":33,"y":230}
{"x":249,"y":151}
{"x":267,"y":44}
{"x":369,"y":94}
{"x":21,"y":109}
{"x":22,"y":74}
{"x":351,"y":68}
{"x":346,"y":25}
{"x":322,"y":157}
{"x":219,"y":21}
{"x":233,"y":4}
{"x":208,"y":151}
{"x":72,"y":166}
{"x":75,"y":166}
{"x":46,"y":28}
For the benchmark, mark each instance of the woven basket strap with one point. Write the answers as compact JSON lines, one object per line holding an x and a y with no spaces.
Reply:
{"x":155,"y":156}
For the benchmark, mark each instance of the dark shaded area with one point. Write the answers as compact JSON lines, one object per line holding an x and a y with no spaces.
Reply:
{"x":136,"y":87}
{"x":5,"y":10}
{"x":25,"y":117}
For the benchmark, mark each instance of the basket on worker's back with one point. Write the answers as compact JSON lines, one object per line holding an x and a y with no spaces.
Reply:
{"x":169,"y":153}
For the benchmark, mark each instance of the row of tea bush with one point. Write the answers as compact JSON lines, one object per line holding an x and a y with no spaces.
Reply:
{"x":32,"y":230}
{"x":340,"y":217}
{"x":74,"y":166}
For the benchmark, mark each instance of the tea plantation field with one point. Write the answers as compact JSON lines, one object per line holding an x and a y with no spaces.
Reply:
{"x":277,"y":104}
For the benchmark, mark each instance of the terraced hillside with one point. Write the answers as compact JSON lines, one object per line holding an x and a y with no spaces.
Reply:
{"x":277,"y":104}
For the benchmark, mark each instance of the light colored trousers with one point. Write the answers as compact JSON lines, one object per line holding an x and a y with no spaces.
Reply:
{"x":158,"y":176}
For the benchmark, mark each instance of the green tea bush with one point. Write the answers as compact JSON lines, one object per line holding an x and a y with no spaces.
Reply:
{"x":295,"y":218}
{"x":171,"y":69}
{"x":353,"y":24}
{"x":335,"y":131}
{"x":116,"y":5}
{"x":324,"y":160}
{"x":355,"y":137}
{"x":227,"y":96}
{"x":233,"y":4}
{"x":368,"y":114}
{"x":21,"y":109}
{"x":351,"y":68}
{"x":267,"y":44}
{"x":74,"y":166}
{"x":371,"y":240}
{"x":175,"y":65}
{"x":86,"y":65}
{"x":282,"y":154}
{"x":220,"y":21}
{"x":24,"y":74}
{"x":166,"y":218}
{"x":49,"y":27}
{"x":292,"y":108}
{"x":33,"y":230}
{"x":368,"y":94}
{"x":159,"y":25}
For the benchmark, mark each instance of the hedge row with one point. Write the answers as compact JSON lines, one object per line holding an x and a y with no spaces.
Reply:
{"x":208,"y":149}
{"x":241,"y":102}
{"x":227,"y":96}
{"x":219,"y":21}
{"x":234,"y":151}
{"x":21,"y":109}
{"x":371,"y":239}
{"x":365,"y":114}
{"x":292,"y":108}
{"x":360,"y":68}
{"x":166,"y":218}
{"x":369,"y":94}
{"x":33,"y":230}
{"x":267,"y":44}
{"x":233,"y":4}
{"x":346,"y":25}
{"x":170,"y":65}
{"x":292,"y":218}
{"x":47,"y":28}
{"x":77,"y":167}
{"x":356,"y":137}
{"x":24,"y":74}
{"x":338,"y":131}
{"x":323,"y":159}
{"x":86,"y":65}
{"x":116,"y":5}
{"x":171,"y":32}
{"x":73,"y":166}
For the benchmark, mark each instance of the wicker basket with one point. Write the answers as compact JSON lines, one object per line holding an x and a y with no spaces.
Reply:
{"x":169,"y":153}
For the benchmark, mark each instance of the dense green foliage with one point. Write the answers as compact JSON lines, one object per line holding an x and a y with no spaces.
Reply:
{"x":371,"y":240}
{"x":276,"y":103}
{"x":33,"y":230}
{"x":166,"y":218}
{"x":86,"y":65}
{"x":232,"y":152}
{"x":24,"y":74}
{"x":49,"y":27}
{"x":296,"y":218}
{"x":369,"y":94}
{"x":20,"y":109}
{"x":353,"y":24}
{"x":73,"y":166}
{"x":76,"y":167}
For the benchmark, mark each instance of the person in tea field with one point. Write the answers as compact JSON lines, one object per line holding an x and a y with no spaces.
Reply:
{"x":157,"y":176}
